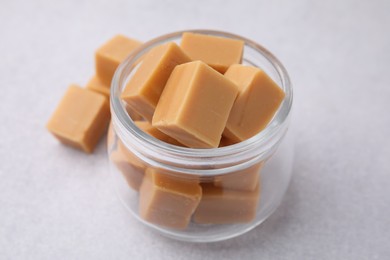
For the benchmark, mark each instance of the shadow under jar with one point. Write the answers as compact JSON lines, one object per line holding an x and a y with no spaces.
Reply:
{"x":201,"y":195}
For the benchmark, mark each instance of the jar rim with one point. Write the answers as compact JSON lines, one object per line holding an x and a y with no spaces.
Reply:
{"x":128,"y":127}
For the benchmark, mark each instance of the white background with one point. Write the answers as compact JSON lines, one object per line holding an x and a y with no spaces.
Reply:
{"x":57,"y":203}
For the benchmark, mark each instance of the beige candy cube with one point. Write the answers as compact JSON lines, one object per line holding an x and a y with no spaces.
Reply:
{"x":80,"y":119}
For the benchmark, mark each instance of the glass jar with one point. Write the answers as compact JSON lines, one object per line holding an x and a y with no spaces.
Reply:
{"x":200,"y":195}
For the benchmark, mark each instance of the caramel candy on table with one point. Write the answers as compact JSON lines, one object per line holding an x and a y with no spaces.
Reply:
{"x":111,"y":54}
{"x":246,"y":179}
{"x":258,"y":100}
{"x":149,"y":129}
{"x":129,"y":165}
{"x":144,"y":88}
{"x":195,"y":105}
{"x":80,"y":119}
{"x":95,"y":84}
{"x":223,"y":206}
{"x":217,"y":52}
{"x":167,"y":200}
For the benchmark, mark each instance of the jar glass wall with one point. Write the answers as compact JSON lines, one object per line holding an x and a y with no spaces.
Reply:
{"x":200,"y":194}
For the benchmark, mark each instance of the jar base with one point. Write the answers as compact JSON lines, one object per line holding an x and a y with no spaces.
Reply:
{"x":275,"y":180}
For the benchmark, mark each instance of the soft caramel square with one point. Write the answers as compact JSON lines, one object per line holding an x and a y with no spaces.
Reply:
{"x":167,"y":200}
{"x":111,"y":54}
{"x":195,"y":105}
{"x":244,"y":180}
{"x":217,"y":52}
{"x":223,"y":206}
{"x":80,"y":119}
{"x":258,"y":99}
{"x":144,"y":88}
{"x":95,"y":84}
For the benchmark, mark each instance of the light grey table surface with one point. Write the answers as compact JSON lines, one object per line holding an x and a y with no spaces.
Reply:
{"x":56,"y":203}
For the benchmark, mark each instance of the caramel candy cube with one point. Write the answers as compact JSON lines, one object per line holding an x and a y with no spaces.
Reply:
{"x":195,"y":105}
{"x":111,"y":54}
{"x":149,"y":129}
{"x":223,"y":206}
{"x":144,"y":88}
{"x":217,"y":52}
{"x":258,"y":100}
{"x":168,"y":200}
{"x":129,"y":165}
{"x":95,"y":84}
{"x":245,"y":180}
{"x":80,"y":119}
